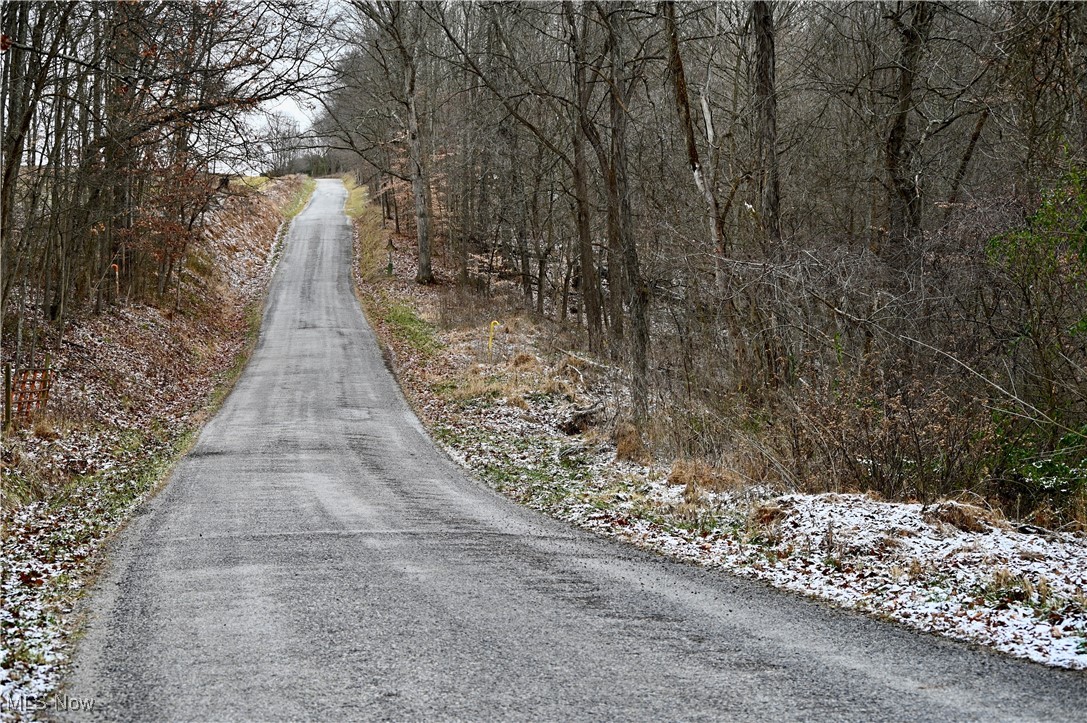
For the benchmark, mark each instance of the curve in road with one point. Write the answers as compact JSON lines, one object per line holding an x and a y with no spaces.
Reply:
{"x":315,"y":557}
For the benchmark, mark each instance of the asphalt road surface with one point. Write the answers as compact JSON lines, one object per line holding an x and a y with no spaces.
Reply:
{"x":316,"y":558}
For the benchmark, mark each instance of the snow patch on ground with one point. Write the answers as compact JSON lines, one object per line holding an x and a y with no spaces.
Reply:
{"x":128,"y":383}
{"x":950,"y":569}
{"x":1021,"y":593}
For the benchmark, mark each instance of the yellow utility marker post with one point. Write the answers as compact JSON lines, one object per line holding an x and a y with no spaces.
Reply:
{"x":490,"y":341}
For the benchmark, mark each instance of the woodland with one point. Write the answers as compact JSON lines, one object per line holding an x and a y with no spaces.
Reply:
{"x":838,"y":246}
{"x":833,"y":246}
{"x":119,"y":123}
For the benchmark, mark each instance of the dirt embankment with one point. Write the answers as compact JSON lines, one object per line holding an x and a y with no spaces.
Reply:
{"x":132,"y":386}
{"x":509,"y":397}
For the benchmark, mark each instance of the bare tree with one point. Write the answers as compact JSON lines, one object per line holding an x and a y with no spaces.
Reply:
{"x":766,"y":95}
{"x":115,"y":120}
{"x":913,"y":21}
{"x":398,"y":42}
{"x":802,"y":257}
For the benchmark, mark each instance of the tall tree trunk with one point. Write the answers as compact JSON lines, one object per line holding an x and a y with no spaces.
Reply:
{"x":960,"y":174}
{"x":683,"y":108}
{"x":717,"y":214}
{"x":590,"y":281}
{"x":590,"y":284}
{"x":904,"y":189}
{"x":766,"y":98}
{"x":518,"y":206}
{"x":633,"y":285}
{"x":419,"y":181}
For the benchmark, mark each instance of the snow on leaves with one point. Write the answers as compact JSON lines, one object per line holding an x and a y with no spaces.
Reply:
{"x":129,"y":387}
{"x":951,"y":569}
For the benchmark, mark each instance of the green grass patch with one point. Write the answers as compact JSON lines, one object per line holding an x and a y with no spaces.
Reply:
{"x":370,"y":250}
{"x":358,"y":200}
{"x":411,"y":328}
{"x":298,"y":202}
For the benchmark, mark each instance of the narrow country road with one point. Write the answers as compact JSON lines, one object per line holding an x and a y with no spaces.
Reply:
{"x":316,"y":558}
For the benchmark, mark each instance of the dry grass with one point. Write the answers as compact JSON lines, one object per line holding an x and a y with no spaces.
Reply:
{"x":767,"y":514}
{"x":1007,"y":585}
{"x":962,"y":516}
{"x":629,"y":445}
{"x":474,"y":385}
{"x":1071,"y":516}
{"x":372,"y":254}
{"x":521,"y":377}
{"x":703,"y":475}
{"x":525,"y":362}
{"x":917,"y":570}
{"x":44,"y":428}
{"x":558,"y":386}
{"x":254,"y":182}
{"x":358,"y":200}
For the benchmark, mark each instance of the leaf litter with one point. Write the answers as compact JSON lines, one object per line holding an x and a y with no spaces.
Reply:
{"x":131,"y":385}
{"x":950,"y":568}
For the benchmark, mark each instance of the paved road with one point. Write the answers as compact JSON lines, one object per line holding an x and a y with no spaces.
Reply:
{"x":315,"y":557}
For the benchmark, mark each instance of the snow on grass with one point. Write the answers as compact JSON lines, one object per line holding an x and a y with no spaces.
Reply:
{"x":130,"y":386}
{"x":48,"y":550}
{"x":950,"y":568}
{"x":1021,"y":593}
